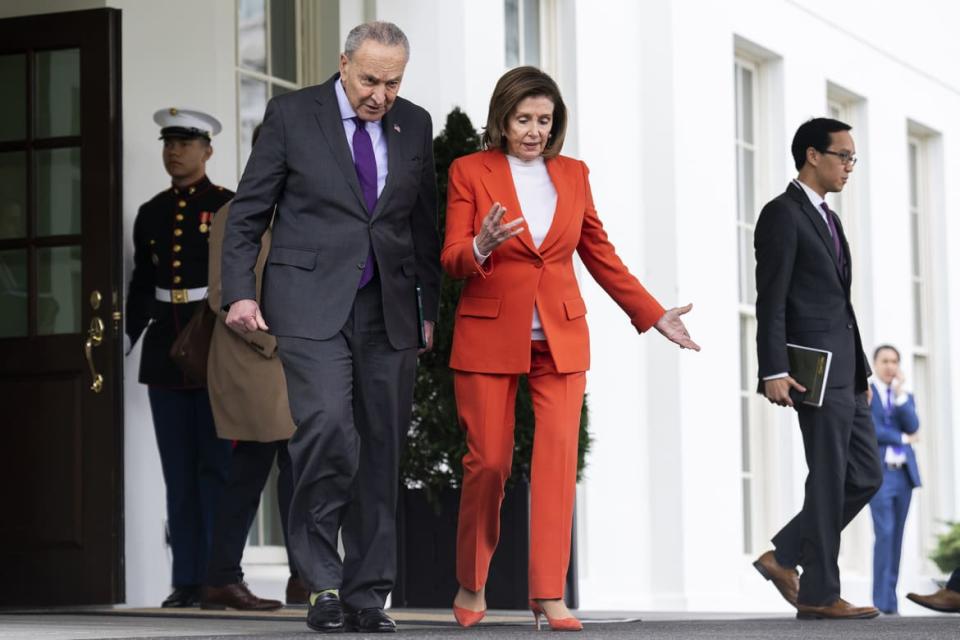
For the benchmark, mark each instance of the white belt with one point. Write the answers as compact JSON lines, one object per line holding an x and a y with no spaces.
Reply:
{"x":181,"y":296}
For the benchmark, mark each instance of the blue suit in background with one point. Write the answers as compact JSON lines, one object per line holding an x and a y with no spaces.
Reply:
{"x":890,"y":505}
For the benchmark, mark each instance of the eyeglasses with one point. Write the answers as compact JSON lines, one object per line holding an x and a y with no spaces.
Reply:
{"x":845,"y":157}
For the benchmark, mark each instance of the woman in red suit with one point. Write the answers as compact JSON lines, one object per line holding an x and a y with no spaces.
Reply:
{"x":516,"y":214}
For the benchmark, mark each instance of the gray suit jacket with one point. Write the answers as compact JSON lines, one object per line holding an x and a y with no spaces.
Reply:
{"x":322,"y":232}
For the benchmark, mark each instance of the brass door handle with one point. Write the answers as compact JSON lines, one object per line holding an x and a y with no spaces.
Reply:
{"x":94,"y":338}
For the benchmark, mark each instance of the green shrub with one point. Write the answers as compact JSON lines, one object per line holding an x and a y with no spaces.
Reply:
{"x":947,"y":554}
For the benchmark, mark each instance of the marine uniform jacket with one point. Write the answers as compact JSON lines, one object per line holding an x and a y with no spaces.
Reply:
{"x":170,"y":251}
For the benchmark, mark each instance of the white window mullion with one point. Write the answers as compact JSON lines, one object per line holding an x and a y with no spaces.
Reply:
{"x":745,"y":144}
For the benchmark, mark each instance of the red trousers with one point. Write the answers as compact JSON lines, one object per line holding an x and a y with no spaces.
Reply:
{"x":485,"y":403}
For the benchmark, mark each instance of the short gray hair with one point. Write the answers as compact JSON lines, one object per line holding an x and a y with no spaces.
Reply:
{"x":385,"y":33}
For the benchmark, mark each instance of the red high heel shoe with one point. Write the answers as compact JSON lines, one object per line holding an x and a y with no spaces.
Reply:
{"x":467,"y":617}
{"x":556,"y":624}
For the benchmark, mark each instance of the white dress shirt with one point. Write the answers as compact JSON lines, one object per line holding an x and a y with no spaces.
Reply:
{"x":891,"y":455}
{"x":375,"y":129}
{"x":538,"y":204}
{"x":815,"y":200}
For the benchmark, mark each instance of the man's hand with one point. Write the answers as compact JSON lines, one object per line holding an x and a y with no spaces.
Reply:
{"x":244,"y":316}
{"x":777,"y":390}
{"x":896,"y":385}
{"x":672,"y":328}
{"x":428,"y":331}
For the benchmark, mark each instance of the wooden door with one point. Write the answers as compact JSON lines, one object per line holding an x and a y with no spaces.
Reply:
{"x":61,"y":413}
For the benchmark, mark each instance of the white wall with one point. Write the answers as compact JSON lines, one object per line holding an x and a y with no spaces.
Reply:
{"x":662,"y":173}
{"x":168,"y":60}
{"x":175,"y":53}
{"x":650,"y":88}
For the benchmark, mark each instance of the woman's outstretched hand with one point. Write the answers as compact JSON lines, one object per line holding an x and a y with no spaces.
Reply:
{"x":673,"y":329}
{"x":493,"y":233}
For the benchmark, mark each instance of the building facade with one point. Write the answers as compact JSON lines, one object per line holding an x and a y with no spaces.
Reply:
{"x":684,"y":111}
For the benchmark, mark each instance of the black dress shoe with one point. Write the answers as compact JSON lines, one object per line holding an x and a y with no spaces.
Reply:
{"x":372,"y":620}
{"x":326,"y":614}
{"x":183,"y":597}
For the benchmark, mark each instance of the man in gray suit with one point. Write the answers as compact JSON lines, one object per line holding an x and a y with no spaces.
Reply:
{"x":349,"y":167}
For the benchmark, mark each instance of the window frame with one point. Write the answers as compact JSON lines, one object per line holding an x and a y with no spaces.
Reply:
{"x":546,"y":33}
{"x":264,"y":554}
{"x":754,"y":511}
{"x":923,"y":352}
{"x":260,"y":76}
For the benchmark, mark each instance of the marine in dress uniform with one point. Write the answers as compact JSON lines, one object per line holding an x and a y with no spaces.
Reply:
{"x":169,"y":281}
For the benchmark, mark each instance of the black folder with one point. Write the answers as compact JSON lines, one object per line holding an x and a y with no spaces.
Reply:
{"x":810,"y":368}
{"x":421,"y":327}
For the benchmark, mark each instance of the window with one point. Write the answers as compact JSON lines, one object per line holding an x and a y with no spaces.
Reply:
{"x":746,"y":148}
{"x":845,"y":106}
{"x":917,"y":249}
{"x":856,"y":545}
{"x":268,"y":61}
{"x":838,"y":111}
{"x":522,"y":33}
{"x":268,"y":64}
{"x":922,"y":344}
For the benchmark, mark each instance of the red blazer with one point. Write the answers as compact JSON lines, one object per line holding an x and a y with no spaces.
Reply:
{"x":492,"y":329}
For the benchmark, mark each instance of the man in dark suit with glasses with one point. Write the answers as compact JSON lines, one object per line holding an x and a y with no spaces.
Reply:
{"x":804,"y":273}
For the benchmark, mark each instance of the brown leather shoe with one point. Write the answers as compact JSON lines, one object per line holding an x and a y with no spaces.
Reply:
{"x":839,"y":610}
{"x":297,"y":591}
{"x":944,"y":600}
{"x":235,"y":596}
{"x":785,"y":579}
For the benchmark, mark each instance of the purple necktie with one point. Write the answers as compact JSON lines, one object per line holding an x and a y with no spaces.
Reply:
{"x":838,"y":251}
{"x":366,"y":165}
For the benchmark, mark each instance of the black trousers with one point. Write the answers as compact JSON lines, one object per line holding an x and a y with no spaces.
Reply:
{"x":251,"y":465}
{"x":350,"y":397}
{"x":954,"y":583}
{"x":196,"y":464}
{"x":843,"y":463}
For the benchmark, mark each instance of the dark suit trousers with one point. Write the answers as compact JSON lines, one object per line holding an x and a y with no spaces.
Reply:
{"x":889,"y":508}
{"x":251,"y":465}
{"x":196,"y":464}
{"x":954,"y":583}
{"x":350,"y":397}
{"x":844,"y":472}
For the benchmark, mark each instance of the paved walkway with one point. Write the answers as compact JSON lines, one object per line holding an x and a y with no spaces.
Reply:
{"x":438,"y":625}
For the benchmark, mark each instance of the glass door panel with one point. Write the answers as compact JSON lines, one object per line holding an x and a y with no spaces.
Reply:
{"x":57,"y":107}
{"x":58,"y":191}
{"x":13,"y":107}
{"x":58,"y":290}
{"x":13,"y":195}
{"x":13,"y":293}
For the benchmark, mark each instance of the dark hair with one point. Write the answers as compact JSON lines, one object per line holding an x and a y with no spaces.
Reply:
{"x":876,"y":352}
{"x":514,"y":87}
{"x":814,"y":133}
